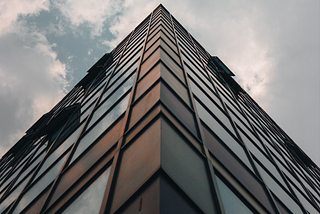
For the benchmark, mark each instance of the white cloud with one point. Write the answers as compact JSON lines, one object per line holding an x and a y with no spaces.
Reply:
{"x":32,"y":80}
{"x":272,"y":47}
{"x":11,"y":9}
{"x":133,"y":13}
{"x":91,"y":13}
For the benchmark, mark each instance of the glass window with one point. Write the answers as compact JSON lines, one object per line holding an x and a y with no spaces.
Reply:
{"x":307,"y":205}
{"x":217,"y":148}
{"x":104,"y":107}
{"x":4,"y":204}
{"x":130,"y":65}
{"x":232,"y":204}
{"x":60,"y":150}
{"x":179,"y":109}
{"x":279,"y":191}
{"x":172,"y":200}
{"x":162,"y":26}
{"x":101,"y":126}
{"x":11,"y":178}
{"x":90,"y":200}
{"x":204,"y":92}
{"x":120,"y":80}
{"x":30,"y":168}
{"x":40,"y":185}
{"x":193,"y":56}
{"x":192,"y":65}
{"x":181,"y":161}
{"x":215,"y":125}
{"x":200,"y":79}
{"x":214,"y":109}
{"x":163,"y":36}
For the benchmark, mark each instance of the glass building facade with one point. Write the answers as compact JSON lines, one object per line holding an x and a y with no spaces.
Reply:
{"x":158,"y":125}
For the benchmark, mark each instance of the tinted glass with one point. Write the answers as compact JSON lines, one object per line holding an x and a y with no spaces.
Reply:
{"x":90,"y":200}
{"x":232,"y":204}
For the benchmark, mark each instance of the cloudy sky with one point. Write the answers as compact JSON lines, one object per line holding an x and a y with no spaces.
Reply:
{"x":272,"y":46}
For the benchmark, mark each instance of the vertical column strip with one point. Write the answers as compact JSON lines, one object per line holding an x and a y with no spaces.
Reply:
{"x":215,"y":190}
{"x":107,"y":199}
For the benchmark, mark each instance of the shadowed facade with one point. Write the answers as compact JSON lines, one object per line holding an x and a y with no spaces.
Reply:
{"x":158,"y":125}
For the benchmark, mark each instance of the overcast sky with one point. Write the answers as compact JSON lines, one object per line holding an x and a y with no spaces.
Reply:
{"x":272,"y":46}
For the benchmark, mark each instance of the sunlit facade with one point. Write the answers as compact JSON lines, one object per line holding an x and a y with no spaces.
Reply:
{"x":158,"y":125}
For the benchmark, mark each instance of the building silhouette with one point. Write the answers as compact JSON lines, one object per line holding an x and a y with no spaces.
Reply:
{"x":158,"y":125}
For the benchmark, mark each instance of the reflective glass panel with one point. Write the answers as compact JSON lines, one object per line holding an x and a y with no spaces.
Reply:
{"x":60,"y":150}
{"x":39,"y":186}
{"x":4,"y":204}
{"x":278,"y":191}
{"x":306,"y":204}
{"x":232,"y":204}
{"x":101,"y":126}
{"x":111,"y":100}
{"x":90,"y":200}
{"x":33,"y":165}
{"x":222,"y":134}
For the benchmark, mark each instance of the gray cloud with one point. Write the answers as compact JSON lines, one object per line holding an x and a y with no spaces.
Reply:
{"x":32,"y":81}
{"x":272,"y":47}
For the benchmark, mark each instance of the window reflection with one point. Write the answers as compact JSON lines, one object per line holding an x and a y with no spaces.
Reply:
{"x":90,"y":200}
{"x":231,"y":203}
{"x":39,"y":186}
{"x":279,"y":191}
{"x":4,"y":204}
{"x":101,"y":126}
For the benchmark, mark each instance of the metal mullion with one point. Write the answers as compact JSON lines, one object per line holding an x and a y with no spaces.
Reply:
{"x":13,"y":181}
{"x":105,"y":113}
{"x":135,"y":42}
{"x":215,"y":189}
{"x":234,"y":127}
{"x":96,"y":103}
{"x":166,"y":35}
{"x":62,"y":101}
{"x":307,"y":195}
{"x":106,"y":206}
{"x":192,"y":55}
{"x":116,"y":88}
{"x":269,"y":156}
{"x":140,"y":30}
{"x":33,"y":183}
{"x":292,"y":196}
{"x":68,"y":99}
{"x":13,"y":168}
{"x":13,"y":205}
{"x":74,"y":146}
{"x":304,"y":176}
{"x":38,"y":167}
{"x":163,"y":48}
{"x":127,"y":59}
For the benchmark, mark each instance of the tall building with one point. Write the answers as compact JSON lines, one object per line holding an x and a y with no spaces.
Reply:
{"x":158,"y":125}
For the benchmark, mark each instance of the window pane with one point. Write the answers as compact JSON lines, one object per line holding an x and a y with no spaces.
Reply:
{"x":101,"y":126}
{"x":221,"y":132}
{"x":33,"y":165}
{"x":4,"y":204}
{"x":60,"y":150}
{"x":90,"y":200}
{"x":111,"y":100}
{"x":39,"y":186}
{"x":278,"y":191}
{"x":232,"y":204}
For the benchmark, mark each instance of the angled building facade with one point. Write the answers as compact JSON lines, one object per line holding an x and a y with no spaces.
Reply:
{"x":158,"y":126}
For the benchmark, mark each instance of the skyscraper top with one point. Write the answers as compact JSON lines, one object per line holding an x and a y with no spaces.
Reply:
{"x":158,"y":126}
